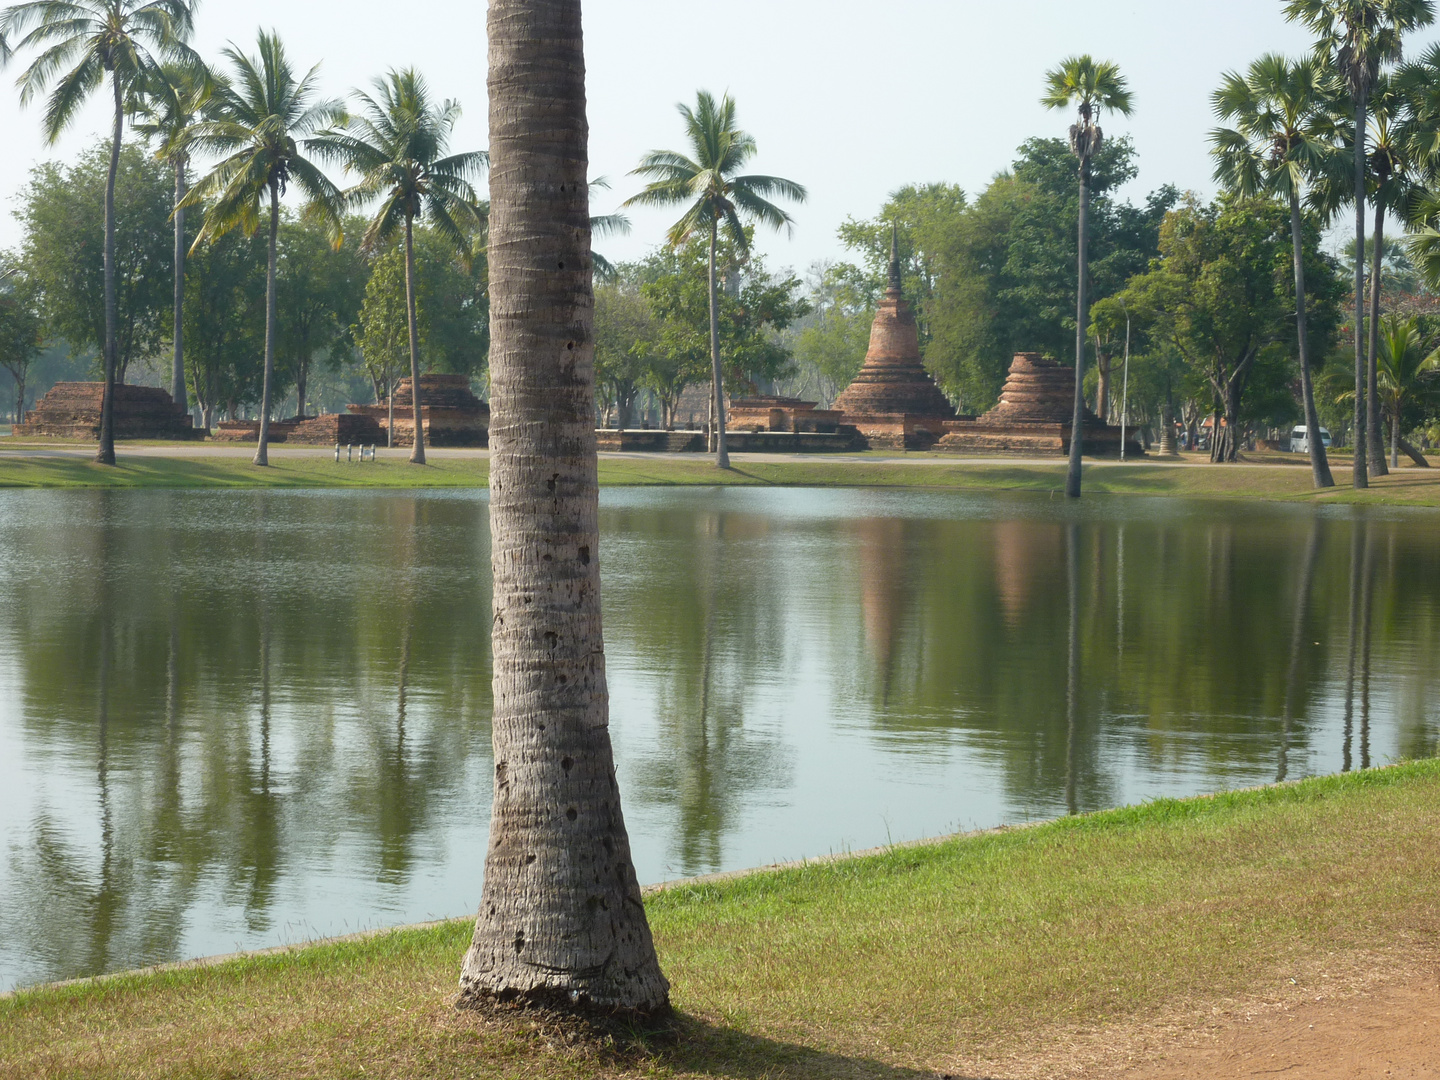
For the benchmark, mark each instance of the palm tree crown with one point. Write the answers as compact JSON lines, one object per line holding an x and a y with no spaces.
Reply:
{"x":1283,"y":137}
{"x":1358,"y":36}
{"x":170,"y":104}
{"x":708,"y":180}
{"x":1092,"y":88}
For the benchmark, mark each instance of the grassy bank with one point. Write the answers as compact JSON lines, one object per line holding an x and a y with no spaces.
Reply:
{"x":1280,"y":481}
{"x":876,"y":967}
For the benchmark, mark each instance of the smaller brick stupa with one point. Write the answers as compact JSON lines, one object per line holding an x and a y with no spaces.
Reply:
{"x":451,"y":413}
{"x":71,"y":410}
{"x":1034,"y":416}
{"x":893,"y":401}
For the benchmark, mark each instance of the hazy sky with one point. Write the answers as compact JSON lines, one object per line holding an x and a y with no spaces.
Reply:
{"x":850,"y":99}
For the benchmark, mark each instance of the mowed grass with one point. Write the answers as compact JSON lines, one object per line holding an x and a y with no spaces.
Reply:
{"x":897,"y":965}
{"x":1282,"y":478}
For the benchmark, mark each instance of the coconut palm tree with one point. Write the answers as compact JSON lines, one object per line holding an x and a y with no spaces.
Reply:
{"x":398,"y":145}
{"x":1406,"y":373}
{"x":263,"y":112}
{"x":1282,"y":137}
{"x":717,"y":198}
{"x":83,"y":44}
{"x":561,"y":920}
{"x":168,"y":107}
{"x":1092,"y":88}
{"x":1358,"y":37}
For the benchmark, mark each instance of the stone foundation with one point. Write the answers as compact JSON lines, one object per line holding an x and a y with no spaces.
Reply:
{"x":326,"y":430}
{"x":71,"y":410}
{"x":452,"y":415}
{"x":781,"y":414}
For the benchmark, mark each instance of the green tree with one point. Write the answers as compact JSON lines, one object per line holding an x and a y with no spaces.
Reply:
{"x":263,"y":112}
{"x":20,"y":332}
{"x":1282,"y":138}
{"x":320,"y":291}
{"x":1092,"y":88}
{"x":63,"y":211}
{"x":383,"y":332}
{"x":455,"y":291}
{"x":398,"y":146}
{"x":561,"y":922}
{"x":717,"y":195}
{"x":1358,"y":37}
{"x":829,"y":343}
{"x":168,"y":105}
{"x":224,"y":323}
{"x":82,"y":44}
{"x":626,"y":336}
{"x":1407,"y":377}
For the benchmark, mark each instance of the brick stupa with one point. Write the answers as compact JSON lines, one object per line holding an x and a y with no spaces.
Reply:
{"x":71,"y":410}
{"x":451,"y":413}
{"x":1034,"y":416}
{"x":893,"y":401}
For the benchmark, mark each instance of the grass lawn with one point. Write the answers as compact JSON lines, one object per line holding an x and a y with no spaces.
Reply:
{"x":884,"y":966}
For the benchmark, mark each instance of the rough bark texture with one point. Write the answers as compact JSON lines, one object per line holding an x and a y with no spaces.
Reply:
{"x":1374,"y":423}
{"x":417,"y":455}
{"x":722,"y":456}
{"x":1319,"y":461}
{"x":561,"y":920}
{"x":1360,"y":475}
{"x":177,"y":370}
{"x":262,"y":451}
{"x":1082,"y":321}
{"x":106,"y":453}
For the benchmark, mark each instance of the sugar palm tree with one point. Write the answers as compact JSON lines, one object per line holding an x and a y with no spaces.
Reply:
{"x":1281,"y":139}
{"x":1358,"y":37}
{"x":263,"y":111}
{"x":1092,"y":88}
{"x":1406,"y":370}
{"x":169,"y":106}
{"x":718,"y":196}
{"x":397,"y":144}
{"x":83,"y":44}
{"x":561,"y":922}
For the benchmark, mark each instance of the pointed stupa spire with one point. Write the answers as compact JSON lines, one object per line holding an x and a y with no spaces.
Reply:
{"x":895,"y":283}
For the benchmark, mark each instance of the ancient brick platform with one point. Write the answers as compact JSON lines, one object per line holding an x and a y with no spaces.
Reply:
{"x":893,"y":401}
{"x":325,"y":430}
{"x":1034,"y":416}
{"x":771,"y":413}
{"x":71,"y":410}
{"x":656,"y":441}
{"x":452,"y":415}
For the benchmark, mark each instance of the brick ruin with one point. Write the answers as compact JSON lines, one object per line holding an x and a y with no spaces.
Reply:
{"x":893,"y":401}
{"x":326,"y":430}
{"x":71,"y":410}
{"x":1034,"y":416}
{"x":452,"y":415}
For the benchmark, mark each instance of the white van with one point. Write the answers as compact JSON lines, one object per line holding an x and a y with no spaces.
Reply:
{"x":1300,"y":440}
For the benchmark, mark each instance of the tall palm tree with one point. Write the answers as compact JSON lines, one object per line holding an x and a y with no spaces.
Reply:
{"x":398,"y":146}
{"x":561,"y":920}
{"x":1282,"y":138}
{"x":717,"y":197}
{"x":1358,"y":37}
{"x":169,"y":105}
{"x":1092,"y":88}
{"x":82,"y":44}
{"x":263,"y":111}
{"x":1406,"y":370}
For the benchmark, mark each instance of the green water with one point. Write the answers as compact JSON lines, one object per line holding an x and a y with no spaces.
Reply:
{"x":234,"y":719}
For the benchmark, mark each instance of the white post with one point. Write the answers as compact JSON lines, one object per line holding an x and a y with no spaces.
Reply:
{"x":1125,"y":391}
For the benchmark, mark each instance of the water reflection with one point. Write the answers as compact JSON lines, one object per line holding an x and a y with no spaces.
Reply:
{"x":231,"y":719}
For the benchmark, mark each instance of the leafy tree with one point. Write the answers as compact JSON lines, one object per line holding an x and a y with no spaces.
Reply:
{"x":121,"y":41}
{"x":626,"y":334}
{"x":829,"y":343}
{"x":1358,"y":37}
{"x":561,"y":922}
{"x":263,"y":113}
{"x":710,"y":183}
{"x":20,"y":333}
{"x":1092,"y":88}
{"x":224,"y":323}
{"x":383,"y":332}
{"x":398,"y":146}
{"x":454,"y":289}
{"x":168,"y":105}
{"x":320,"y":288}
{"x":62,"y":211}
{"x":1220,"y":296}
{"x":1281,"y":141}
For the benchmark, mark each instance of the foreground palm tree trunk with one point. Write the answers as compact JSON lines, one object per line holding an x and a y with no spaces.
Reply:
{"x":1319,"y":461}
{"x":177,"y":371}
{"x":417,"y":455}
{"x":106,"y":453}
{"x":1360,"y":474}
{"x":1373,"y":421}
{"x":262,"y":452}
{"x":561,"y":921}
{"x":1077,"y":428}
{"x":722,"y":455}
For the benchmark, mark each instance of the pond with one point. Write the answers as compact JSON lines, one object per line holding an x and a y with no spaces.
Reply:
{"x":238,"y":719}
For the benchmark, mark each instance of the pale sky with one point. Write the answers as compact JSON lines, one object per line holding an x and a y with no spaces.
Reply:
{"x":850,"y":99}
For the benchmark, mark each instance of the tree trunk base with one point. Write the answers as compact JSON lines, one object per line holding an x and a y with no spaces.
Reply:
{"x":1414,"y":455}
{"x":557,"y":1018}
